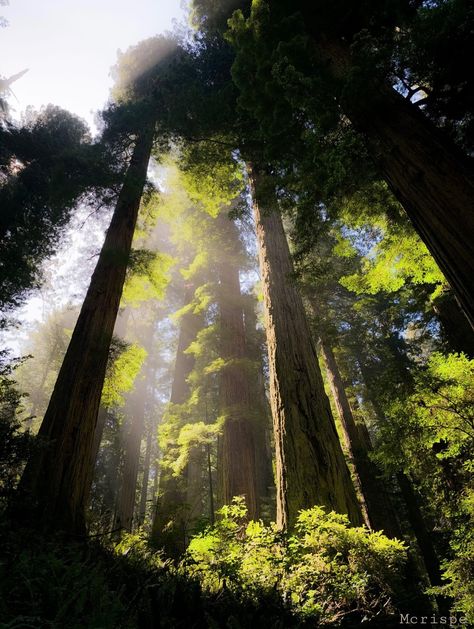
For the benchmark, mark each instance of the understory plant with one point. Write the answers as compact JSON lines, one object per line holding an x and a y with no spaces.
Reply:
{"x":324,"y":571}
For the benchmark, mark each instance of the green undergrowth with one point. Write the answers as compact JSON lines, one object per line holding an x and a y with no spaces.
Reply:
{"x":236,"y":575}
{"x":327,"y":572}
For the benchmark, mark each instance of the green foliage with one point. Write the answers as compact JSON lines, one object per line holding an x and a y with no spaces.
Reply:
{"x":430,"y":434}
{"x":57,"y":586}
{"x":212,"y":185}
{"x":121,"y":374}
{"x":395,"y":258}
{"x":47,"y":165}
{"x":140,"y":66}
{"x":439,"y":411}
{"x":15,"y":443}
{"x":147,"y":278}
{"x":326,"y":570}
{"x":458,"y":570}
{"x":49,"y":582}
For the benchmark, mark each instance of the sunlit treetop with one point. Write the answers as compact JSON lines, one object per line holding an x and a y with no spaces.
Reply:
{"x":137,"y":71}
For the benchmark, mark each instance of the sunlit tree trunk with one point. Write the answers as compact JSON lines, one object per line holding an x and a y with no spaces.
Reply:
{"x":262,"y":423}
{"x":169,"y":529}
{"x":57,"y":478}
{"x":376,"y":503}
{"x":310,"y":465}
{"x":236,"y":465}
{"x":428,"y":175}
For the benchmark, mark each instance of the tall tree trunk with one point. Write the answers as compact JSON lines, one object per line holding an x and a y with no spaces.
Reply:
{"x":310,"y":465}
{"x":428,"y":175}
{"x":146,"y":479}
{"x":262,"y":423}
{"x":99,"y":429}
{"x":169,"y":529}
{"x":211,"y":486}
{"x":131,"y":459}
{"x":237,"y":470}
{"x":411,"y":501}
{"x":57,"y":479}
{"x":380,"y":512}
{"x":454,"y":327}
{"x":417,"y":522}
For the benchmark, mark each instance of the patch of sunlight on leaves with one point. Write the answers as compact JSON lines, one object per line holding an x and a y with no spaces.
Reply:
{"x":193,"y":436}
{"x":324,"y":570}
{"x":213,"y":186}
{"x":391,"y":263}
{"x":147,"y":278}
{"x":121,"y":375}
{"x":199,"y":263}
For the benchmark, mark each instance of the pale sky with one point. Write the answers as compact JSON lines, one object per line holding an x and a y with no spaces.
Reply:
{"x":69,"y":47}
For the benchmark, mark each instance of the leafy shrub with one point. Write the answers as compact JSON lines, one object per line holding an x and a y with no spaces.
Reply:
{"x":15,"y":444}
{"x":326,"y":571}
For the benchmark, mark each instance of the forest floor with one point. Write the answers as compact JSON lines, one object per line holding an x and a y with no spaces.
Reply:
{"x":62,"y":584}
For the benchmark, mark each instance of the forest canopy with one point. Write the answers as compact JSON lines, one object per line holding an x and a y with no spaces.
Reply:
{"x":249,"y":399}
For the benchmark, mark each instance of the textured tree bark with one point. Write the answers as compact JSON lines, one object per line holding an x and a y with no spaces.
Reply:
{"x":431,"y":182}
{"x":236,"y":466}
{"x":430,"y":177}
{"x":57,"y":479}
{"x":377,"y":505}
{"x":310,"y":465}
{"x":146,"y":479}
{"x":169,"y":529}
{"x":99,"y":429}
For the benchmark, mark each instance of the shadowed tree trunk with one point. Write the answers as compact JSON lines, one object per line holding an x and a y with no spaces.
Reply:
{"x":454,"y":327}
{"x":428,"y":175}
{"x":131,"y":458}
{"x":236,"y":465}
{"x":380,"y":513}
{"x":146,"y":478}
{"x":57,"y":479}
{"x":310,"y":465}
{"x":169,"y":529}
{"x":411,"y":501}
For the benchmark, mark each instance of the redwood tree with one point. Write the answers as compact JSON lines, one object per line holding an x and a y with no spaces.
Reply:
{"x":237,"y":469}
{"x":306,"y":69}
{"x":57,"y":478}
{"x":310,"y":465}
{"x":169,"y":528}
{"x":380,"y":512}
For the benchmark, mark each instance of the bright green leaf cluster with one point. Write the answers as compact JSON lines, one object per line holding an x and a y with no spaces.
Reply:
{"x":121,"y":375}
{"x":326,"y":569}
{"x":148,"y":277}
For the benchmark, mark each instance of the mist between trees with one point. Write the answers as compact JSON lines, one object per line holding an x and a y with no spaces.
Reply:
{"x":253,"y":403}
